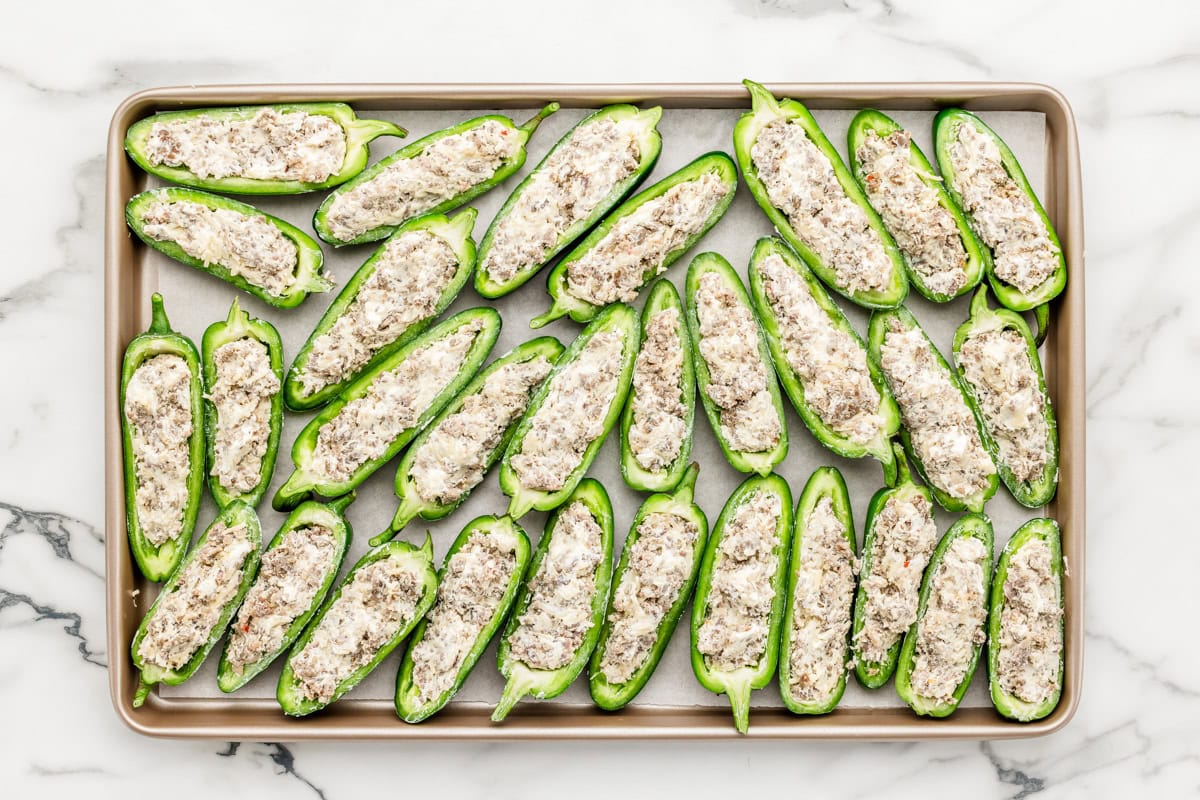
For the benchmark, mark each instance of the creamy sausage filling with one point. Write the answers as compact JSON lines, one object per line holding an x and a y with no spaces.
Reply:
{"x":186,"y":615}
{"x":659,"y":421}
{"x":658,"y":566}
{"x":242,"y":396}
{"x":1031,"y":639}
{"x":559,"y":613}
{"x":366,"y":427}
{"x":800,"y":181}
{"x":408,"y":187}
{"x":409,"y":278}
{"x":158,"y":408}
{"x":741,"y":591}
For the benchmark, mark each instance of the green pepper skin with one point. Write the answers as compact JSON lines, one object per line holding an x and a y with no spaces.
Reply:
{"x":156,"y":563}
{"x":680,"y":503}
{"x":329,"y":515}
{"x":875,"y":336}
{"x":302,"y":482}
{"x":765,"y":110}
{"x":408,"y":707}
{"x":662,"y":297}
{"x":543,"y":684}
{"x":945,"y":131}
{"x":978,"y":256}
{"x":881,"y":448}
{"x":763,"y":462}
{"x":564,"y":303}
{"x":1032,"y":494}
{"x":872,"y":674}
{"x":454,"y":232}
{"x":1006,"y":704}
{"x":309,"y":277}
{"x":289,"y":693}
{"x":359,"y":132}
{"x":239,"y":325}
{"x":617,"y":317}
{"x":236,"y":513}
{"x":522,"y":134}
{"x":979,"y":526}
{"x":738,"y":684}
{"x":650,"y":144}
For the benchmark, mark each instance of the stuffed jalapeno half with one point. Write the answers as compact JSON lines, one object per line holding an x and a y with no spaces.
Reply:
{"x":942,"y":434}
{"x":1025,"y":625}
{"x":741,"y":592}
{"x":800,"y":182}
{"x":376,"y":605}
{"x":590,"y":169}
{"x":162,"y":435}
{"x":1000,"y":370}
{"x":660,"y":413}
{"x":651,"y":588}
{"x":453,"y":454}
{"x":570,"y":414}
{"x":476,"y":588}
{"x":815,"y":648}
{"x":433,"y":175}
{"x":271,"y":259}
{"x":556,"y":619}
{"x":1027,"y":267}
{"x":377,"y":415}
{"x":272,"y":149}
{"x":297,"y":568}
{"x":242,"y":361}
{"x":900,"y":534}
{"x":941,"y":649}
{"x":395,"y":295}
{"x":835,"y":387}
{"x":943,"y":257}
{"x":195,"y":604}
{"x":733,"y":367}
{"x":640,"y":239}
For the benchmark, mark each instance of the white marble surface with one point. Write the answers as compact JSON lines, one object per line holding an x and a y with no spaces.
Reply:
{"x":1131,"y":76}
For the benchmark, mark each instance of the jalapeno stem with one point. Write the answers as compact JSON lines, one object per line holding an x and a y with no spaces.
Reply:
{"x":530,"y":125}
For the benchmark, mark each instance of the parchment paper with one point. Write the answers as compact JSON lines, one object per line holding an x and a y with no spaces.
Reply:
{"x":194,"y":300}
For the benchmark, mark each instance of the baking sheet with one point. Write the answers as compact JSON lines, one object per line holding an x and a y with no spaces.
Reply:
{"x":195,"y":300}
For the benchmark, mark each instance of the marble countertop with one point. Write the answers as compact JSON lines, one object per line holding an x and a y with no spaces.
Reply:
{"x":1131,"y":78}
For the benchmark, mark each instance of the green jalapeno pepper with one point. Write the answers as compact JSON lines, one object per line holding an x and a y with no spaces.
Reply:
{"x":408,"y":695}
{"x":581,"y":310}
{"x":978,"y":258}
{"x":765,"y":110}
{"x":235,"y":514}
{"x":291,"y":694}
{"x":237,"y":326}
{"x":880,"y":447}
{"x":618,"y":318}
{"x":307,"y":276}
{"x":980,"y":527}
{"x":1009,"y":705}
{"x":305,"y":478}
{"x":649,"y":145}
{"x":156,"y":563}
{"x":764,"y":461}
{"x":520,"y":135}
{"x":880,"y":321}
{"x":1038,"y":491}
{"x":824,"y":482}
{"x":456,"y":233}
{"x":738,"y":683}
{"x":661,"y":298}
{"x":330,"y":516}
{"x":945,"y":133}
{"x":358,"y":132}
{"x":412,"y":505}
{"x":543,"y":684}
